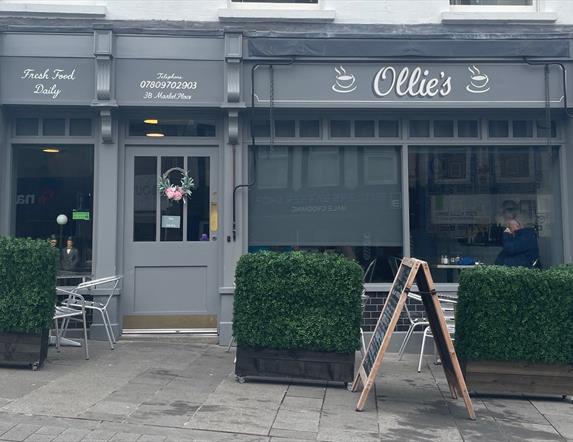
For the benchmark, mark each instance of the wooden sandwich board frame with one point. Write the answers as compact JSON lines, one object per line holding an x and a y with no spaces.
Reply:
{"x":411,"y":270}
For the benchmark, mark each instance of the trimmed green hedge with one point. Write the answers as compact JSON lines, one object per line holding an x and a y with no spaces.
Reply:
{"x":516,"y":314}
{"x":27,"y":284}
{"x":298,"y":300}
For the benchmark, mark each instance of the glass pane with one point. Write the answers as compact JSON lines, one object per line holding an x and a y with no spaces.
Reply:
{"x":468,"y":128}
{"x":419,"y":128}
{"x":364,"y":129}
{"x":26,"y":126}
{"x":145,"y":199}
{"x":463,"y":198}
{"x":80,"y":127}
{"x":340,"y":128}
{"x":285,"y":128}
{"x":542,"y":127}
{"x":443,"y":129}
{"x":492,"y":2}
{"x":198,"y":205}
{"x":498,"y":128}
{"x":54,"y":126}
{"x":346,"y":200}
{"x":523,"y":129}
{"x":262,"y":128}
{"x":46,"y":186}
{"x":309,"y":128}
{"x":389,"y":129}
{"x":172,"y":210}
{"x":158,"y":128}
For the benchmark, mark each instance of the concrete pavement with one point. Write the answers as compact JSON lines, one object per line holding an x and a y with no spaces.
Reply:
{"x":177,"y":390}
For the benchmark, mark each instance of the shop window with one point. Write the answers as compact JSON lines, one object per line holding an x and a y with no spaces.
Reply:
{"x":80,"y":127}
{"x":419,"y":128}
{"x":443,"y":128}
{"x":340,"y":128}
{"x":461,"y":199}
{"x":364,"y":129}
{"x":346,"y":200}
{"x":159,"y":128}
{"x":498,"y":128}
{"x":27,"y":126}
{"x":389,"y":129}
{"x":54,"y":127}
{"x":468,"y":128}
{"x":57,"y":180}
{"x":543,"y":129}
{"x":309,"y":128}
{"x":285,"y":128}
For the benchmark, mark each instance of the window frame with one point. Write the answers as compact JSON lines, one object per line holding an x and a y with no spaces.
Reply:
{"x":536,"y":6}
{"x":249,"y":4}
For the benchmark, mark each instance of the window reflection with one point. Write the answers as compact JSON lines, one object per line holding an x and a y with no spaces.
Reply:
{"x":52,"y":181}
{"x":343,"y":200}
{"x":462,"y":197}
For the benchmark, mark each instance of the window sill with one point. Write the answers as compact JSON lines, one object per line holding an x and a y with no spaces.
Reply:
{"x":498,"y":17}
{"x":277,"y":15}
{"x":38,"y":10}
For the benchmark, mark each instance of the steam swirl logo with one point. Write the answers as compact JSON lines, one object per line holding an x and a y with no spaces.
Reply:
{"x":478,"y":81}
{"x":344,"y":81}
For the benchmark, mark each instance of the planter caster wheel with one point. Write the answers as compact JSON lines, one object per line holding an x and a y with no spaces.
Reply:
{"x":240,"y":379}
{"x":35,"y":366}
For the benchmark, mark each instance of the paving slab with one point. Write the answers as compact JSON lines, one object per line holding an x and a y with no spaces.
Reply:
{"x":292,"y":434}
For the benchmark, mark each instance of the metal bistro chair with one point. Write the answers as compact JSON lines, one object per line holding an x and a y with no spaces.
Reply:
{"x":415,"y":323}
{"x":368,"y":274}
{"x":448,"y":308}
{"x":65,"y":313}
{"x":111,"y":283}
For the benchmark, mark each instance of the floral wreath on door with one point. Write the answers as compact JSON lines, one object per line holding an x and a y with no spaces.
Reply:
{"x":174,"y":192}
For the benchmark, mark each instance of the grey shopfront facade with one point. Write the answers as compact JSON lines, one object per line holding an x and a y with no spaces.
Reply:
{"x":294,"y":144}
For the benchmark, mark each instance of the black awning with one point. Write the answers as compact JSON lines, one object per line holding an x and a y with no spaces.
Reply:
{"x":430,"y":48}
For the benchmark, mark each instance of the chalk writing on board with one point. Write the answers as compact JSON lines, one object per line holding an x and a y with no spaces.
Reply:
{"x":386,"y":318}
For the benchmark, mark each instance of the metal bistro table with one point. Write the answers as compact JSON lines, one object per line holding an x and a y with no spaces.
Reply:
{"x":451,"y":267}
{"x":81,"y":277}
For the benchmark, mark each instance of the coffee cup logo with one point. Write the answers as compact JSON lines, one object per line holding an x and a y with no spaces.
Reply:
{"x":479,"y":83}
{"x":344,"y":82}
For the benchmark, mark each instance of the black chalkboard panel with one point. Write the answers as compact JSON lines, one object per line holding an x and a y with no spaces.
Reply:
{"x":386,"y":318}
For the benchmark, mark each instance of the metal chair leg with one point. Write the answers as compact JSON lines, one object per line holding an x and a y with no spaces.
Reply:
{"x":230,"y":344}
{"x":105,"y":325}
{"x":405,"y":342}
{"x":57,"y":336}
{"x":85,"y":333}
{"x":110,"y":328}
{"x":422,"y":351}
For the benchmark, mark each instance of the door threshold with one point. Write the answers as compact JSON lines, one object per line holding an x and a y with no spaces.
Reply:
{"x":209,"y":332}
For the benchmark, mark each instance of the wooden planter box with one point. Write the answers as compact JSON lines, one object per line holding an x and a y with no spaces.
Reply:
{"x":23,"y":348}
{"x":294,"y":364}
{"x":518,"y":378}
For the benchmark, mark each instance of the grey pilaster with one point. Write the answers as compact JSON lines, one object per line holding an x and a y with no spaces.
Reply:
{"x":5,"y":185}
{"x":106,"y":171}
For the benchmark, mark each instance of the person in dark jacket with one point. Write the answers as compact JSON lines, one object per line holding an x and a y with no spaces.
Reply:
{"x":520,"y":248}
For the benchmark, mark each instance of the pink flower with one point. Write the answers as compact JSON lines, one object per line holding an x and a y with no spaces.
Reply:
{"x":170,"y":193}
{"x":177,"y":194}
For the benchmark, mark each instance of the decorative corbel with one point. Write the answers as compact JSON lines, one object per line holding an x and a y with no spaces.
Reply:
{"x":106,"y":122}
{"x":233,"y":65}
{"x":233,"y":125}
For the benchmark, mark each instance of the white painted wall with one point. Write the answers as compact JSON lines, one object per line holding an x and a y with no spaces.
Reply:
{"x":347,"y":11}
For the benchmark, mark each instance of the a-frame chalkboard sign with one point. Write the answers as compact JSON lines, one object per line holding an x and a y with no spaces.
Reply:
{"x":411,"y":270}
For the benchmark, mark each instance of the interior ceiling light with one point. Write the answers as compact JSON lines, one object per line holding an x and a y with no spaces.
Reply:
{"x":154,"y":134}
{"x":51,"y":150}
{"x":151,"y":121}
